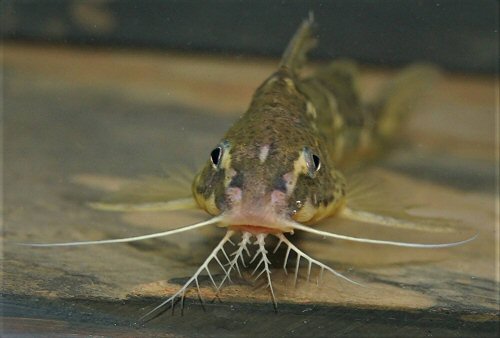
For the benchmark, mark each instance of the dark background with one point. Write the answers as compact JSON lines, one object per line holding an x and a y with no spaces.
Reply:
{"x":456,"y":34}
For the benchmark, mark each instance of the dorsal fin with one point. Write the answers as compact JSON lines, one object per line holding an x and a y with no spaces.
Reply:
{"x":302,"y":42}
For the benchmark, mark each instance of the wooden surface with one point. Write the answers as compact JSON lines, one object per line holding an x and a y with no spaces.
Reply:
{"x":78,"y":123}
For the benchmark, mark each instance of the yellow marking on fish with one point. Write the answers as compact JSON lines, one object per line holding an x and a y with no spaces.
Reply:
{"x":333,"y":106}
{"x":290,"y":85}
{"x":309,"y":213}
{"x":208,"y":204}
{"x":299,"y":167}
{"x":310,"y":110}
{"x":270,"y":81}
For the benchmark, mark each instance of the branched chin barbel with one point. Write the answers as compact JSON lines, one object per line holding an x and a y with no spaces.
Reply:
{"x":238,"y":255}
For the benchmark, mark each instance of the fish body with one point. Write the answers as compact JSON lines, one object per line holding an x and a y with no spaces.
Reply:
{"x":282,"y":159}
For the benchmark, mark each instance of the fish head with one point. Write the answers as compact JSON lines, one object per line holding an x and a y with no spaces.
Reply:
{"x":270,"y":167}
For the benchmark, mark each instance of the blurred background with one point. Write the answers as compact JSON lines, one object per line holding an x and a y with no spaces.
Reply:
{"x":456,"y":34}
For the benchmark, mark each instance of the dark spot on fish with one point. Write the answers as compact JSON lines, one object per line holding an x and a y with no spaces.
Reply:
{"x":327,"y":200}
{"x":237,"y":181}
{"x":220,"y":199}
{"x":206,"y":187}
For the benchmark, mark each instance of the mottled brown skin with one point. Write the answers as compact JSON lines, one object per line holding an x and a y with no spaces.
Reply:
{"x":341,"y":117}
{"x":269,"y":156}
{"x":276,"y":117}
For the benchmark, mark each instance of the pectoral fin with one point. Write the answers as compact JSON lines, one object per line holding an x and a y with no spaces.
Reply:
{"x":178,"y":204}
{"x":151,"y":194}
{"x":401,"y":220}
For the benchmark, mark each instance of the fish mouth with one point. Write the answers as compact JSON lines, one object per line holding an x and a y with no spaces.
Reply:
{"x":257,"y":223}
{"x":256,"y":229}
{"x":252,"y":209}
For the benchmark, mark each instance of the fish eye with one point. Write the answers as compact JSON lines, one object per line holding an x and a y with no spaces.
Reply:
{"x":313,"y":162}
{"x":215,"y":156}
{"x":316,"y":162}
{"x":218,"y":152}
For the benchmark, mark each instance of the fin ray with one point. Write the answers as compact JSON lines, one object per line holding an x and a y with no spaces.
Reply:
{"x":295,"y":54}
{"x":150,"y":193}
{"x":400,"y":221}
{"x":179,"y":204}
